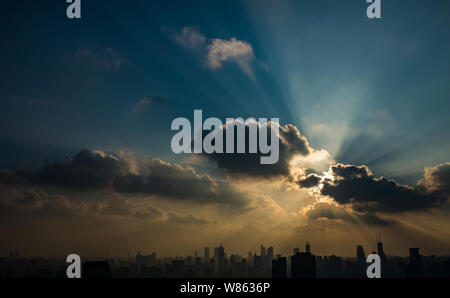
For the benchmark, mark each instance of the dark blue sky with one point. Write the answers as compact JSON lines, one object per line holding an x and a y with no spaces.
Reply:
{"x":372,"y":92}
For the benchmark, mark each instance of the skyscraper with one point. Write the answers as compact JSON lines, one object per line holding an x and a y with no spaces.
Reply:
{"x":263,"y":251}
{"x":303,"y":264}
{"x":380,"y":248}
{"x":415,"y":263}
{"x":360,"y":261}
{"x":308,"y":247}
{"x":216,"y":259}
{"x":221,"y":259}
{"x":269,"y":257}
{"x":360,"y":255}
{"x":206,"y":254}
{"x":279,"y":268}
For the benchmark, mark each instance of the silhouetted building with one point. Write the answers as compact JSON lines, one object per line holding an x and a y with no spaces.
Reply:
{"x":148,"y":260}
{"x":269,"y":257}
{"x":303,"y":265}
{"x":360,"y":261}
{"x":308,"y":247}
{"x":96,"y":269}
{"x":263,"y":258}
{"x":216,"y":259}
{"x":178,"y":268}
{"x":380,"y":250}
{"x":279,"y":268}
{"x":263,"y":251}
{"x":238,"y":266}
{"x":250,"y":258}
{"x":415,"y":265}
{"x":206,"y":254}
{"x":221,"y":259}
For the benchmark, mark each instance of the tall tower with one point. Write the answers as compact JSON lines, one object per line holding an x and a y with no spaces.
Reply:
{"x":263,"y":251}
{"x":221,"y":257}
{"x":269,"y":257}
{"x":360,"y":255}
{"x":360,"y":261}
{"x":380,"y":248}
{"x":308,"y":247}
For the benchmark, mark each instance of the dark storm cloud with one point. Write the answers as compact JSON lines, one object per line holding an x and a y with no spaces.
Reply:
{"x":325,"y":210}
{"x":95,"y":170}
{"x":38,"y":203}
{"x":309,"y":181}
{"x":291,"y":143}
{"x":436,"y":180}
{"x":357,"y":186}
{"x":174,"y":181}
{"x":87,"y":170}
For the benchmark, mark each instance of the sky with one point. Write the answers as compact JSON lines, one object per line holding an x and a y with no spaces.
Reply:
{"x":86,"y":107}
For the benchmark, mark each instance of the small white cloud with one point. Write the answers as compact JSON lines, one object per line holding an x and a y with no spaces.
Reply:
{"x":217,"y":51}
{"x":233,"y":50}
{"x":190,"y":37}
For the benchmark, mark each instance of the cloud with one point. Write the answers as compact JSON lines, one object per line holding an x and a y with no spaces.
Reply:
{"x":291,"y":144}
{"x":118,"y":205}
{"x":88,"y":170}
{"x":174,"y":181}
{"x":328,"y":211}
{"x":233,"y":50}
{"x":94,"y":170}
{"x":190,"y":38}
{"x":188,"y":219}
{"x":217,"y":51}
{"x":38,"y":203}
{"x":309,"y":181}
{"x":356,"y":185}
{"x":436,"y":180}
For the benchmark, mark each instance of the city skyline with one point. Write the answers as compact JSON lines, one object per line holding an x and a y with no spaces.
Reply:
{"x":300,"y":263}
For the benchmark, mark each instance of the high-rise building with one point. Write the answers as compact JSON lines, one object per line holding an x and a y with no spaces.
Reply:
{"x":308,"y":247}
{"x":380,"y":248}
{"x":221,"y":260}
{"x":279,"y":268}
{"x":216,"y":259}
{"x":269,"y":257}
{"x":360,"y":261}
{"x":303,"y":265}
{"x":296,"y":251}
{"x":206,"y":254}
{"x":263,"y":251}
{"x":146,"y":260}
{"x":360,"y":255}
{"x":415,"y":263}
